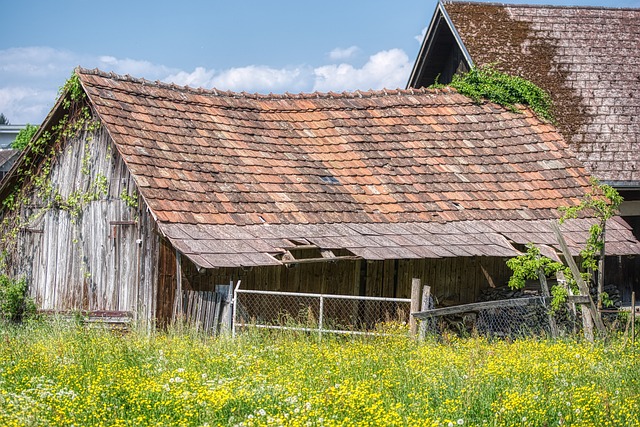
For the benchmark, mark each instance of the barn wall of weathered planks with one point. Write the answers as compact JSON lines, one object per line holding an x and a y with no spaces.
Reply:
{"x":452,"y":280}
{"x":89,"y":249}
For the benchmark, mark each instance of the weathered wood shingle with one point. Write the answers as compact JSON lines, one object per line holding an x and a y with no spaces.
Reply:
{"x":587,"y":58}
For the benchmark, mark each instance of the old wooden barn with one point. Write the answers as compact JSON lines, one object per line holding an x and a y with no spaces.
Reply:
{"x":135,"y":189}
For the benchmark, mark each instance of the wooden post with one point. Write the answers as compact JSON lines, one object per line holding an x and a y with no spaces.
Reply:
{"x":601,"y":269}
{"x":177,"y":302}
{"x":415,"y":306}
{"x":426,"y":293}
{"x":572,"y":305}
{"x":633,"y":319}
{"x":545,"y":293}
{"x":591,"y":312}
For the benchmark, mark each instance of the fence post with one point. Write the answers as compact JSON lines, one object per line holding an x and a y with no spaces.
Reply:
{"x":320,"y":317}
{"x":545,"y":293}
{"x":590,"y":314}
{"x":234,"y":304}
{"x":633,"y":320}
{"x":177,"y":299}
{"x":415,"y":306}
{"x":426,"y":293}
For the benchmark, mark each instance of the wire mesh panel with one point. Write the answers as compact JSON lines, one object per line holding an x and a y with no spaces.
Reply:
{"x":360,"y":314}
{"x":316,"y":312}
{"x":269,"y":309}
{"x":508,"y":318}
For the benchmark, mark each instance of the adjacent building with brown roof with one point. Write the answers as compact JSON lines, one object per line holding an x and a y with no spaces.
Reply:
{"x":157,"y":188}
{"x":586,"y":58}
{"x":7,"y":158}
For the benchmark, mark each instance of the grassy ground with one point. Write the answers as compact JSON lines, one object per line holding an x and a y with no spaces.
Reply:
{"x":53,"y":375}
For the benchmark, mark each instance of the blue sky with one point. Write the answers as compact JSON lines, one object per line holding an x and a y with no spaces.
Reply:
{"x":251,"y":45}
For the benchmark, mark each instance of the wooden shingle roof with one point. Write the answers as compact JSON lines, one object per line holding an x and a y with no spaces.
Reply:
{"x":587,"y":58}
{"x":233,"y":179}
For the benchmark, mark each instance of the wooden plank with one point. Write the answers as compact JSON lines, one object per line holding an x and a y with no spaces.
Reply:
{"x":217,"y":310}
{"x":424,"y":306}
{"x":415,"y":305}
{"x":477,"y":306}
{"x":177,"y":311}
{"x":591,"y":312}
{"x":601,"y":267}
{"x":545,"y":293}
{"x":319,"y":260}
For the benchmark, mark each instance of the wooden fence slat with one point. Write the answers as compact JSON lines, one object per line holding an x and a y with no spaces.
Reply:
{"x":203,"y":309}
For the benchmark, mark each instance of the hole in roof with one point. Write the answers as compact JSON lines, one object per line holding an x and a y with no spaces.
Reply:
{"x":329,"y":179}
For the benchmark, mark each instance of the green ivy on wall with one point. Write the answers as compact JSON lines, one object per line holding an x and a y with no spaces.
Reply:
{"x":486,"y":82}
{"x":33,"y":177}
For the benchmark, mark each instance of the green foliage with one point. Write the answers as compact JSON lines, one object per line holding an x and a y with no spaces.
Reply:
{"x":529,"y":265}
{"x":605,"y":300}
{"x":24,"y":137}
{"x":486,"y":82}
{"x":601,"y":202}
{"x":72,"y":375}
{"x":131,"y":201}
{"x":15,"y":304}
{"x":72,"y":91}
{"x":559,"y":296}
{"x":32,"y":183}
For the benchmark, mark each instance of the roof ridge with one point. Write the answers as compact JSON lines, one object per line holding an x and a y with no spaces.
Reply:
{"x":358,"y":93}
{"x":536,"y":6}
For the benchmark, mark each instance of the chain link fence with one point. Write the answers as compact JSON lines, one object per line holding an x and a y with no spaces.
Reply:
{"x":513,"y":318}
{"x":319,"y":313}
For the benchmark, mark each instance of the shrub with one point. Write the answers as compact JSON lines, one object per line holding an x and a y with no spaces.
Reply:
{"x":15,"y":304}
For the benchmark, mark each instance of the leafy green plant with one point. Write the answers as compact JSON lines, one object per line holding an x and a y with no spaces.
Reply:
{"x":529,"y":265}
{"x":24,"y":137}
{"x":485,"y":82}
{"x":15,"y":304}
{"x":131,"y":201}
{"x":601,"y":202}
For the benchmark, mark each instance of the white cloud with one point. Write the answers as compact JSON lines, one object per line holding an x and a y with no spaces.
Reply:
{"x":255,"y":78}
{"x":35,"y":62}
{"x":134,"y":67}
{"x":30,"y":77}
{"x":386,"y":69}
{"x":420,"y":37}
{"x":25,"y":104}
{"x":339,"y":54}
{"x":200,"y":77}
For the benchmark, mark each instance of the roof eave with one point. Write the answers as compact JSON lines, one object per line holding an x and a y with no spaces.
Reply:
{"x":440,"y":12}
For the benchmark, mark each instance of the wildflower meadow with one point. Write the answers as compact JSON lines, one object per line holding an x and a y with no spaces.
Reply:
{"x":64,"y":375}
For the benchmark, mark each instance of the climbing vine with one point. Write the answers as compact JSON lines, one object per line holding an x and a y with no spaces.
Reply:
{"x":603,"y":202}
{"x":33,"y":177}
{"x":130,"y":201}
{"x":485,"y":82}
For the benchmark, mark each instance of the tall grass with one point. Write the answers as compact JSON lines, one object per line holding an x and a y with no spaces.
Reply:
{"x":53,"y":374}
